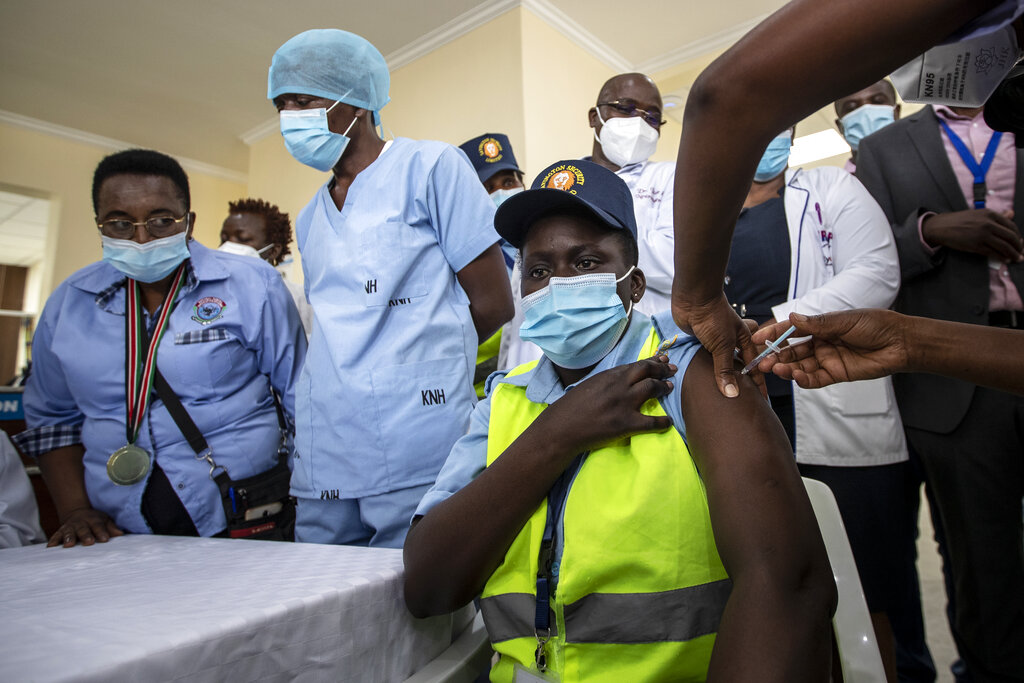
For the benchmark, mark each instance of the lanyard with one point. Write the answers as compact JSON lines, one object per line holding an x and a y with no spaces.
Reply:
{"x":547,"y":568}
{"x":139,"y":380}
{"x":978,"y":170}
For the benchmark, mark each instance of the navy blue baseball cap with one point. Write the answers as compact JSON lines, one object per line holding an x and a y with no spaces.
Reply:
{"x":490,"y":153}
{"x":570,"y":184}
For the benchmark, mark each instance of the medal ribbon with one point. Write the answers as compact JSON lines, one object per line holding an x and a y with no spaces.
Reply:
{"x":139,"y":380}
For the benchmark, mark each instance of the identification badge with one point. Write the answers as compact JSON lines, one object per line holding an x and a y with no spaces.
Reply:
{"x":128,"y":465}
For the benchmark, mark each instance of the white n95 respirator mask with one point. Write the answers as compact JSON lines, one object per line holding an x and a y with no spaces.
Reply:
{"x":626,"y":140}
{"x":963,"y":74}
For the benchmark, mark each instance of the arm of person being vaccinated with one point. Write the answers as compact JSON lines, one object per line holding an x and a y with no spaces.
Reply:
{"x":766,"y":535}
{"x":801,"y":58}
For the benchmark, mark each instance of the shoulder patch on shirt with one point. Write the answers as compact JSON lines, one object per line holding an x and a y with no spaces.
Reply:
{"x":208,"y":309}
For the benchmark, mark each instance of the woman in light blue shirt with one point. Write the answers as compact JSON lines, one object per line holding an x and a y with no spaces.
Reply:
{"x":231,"y":339}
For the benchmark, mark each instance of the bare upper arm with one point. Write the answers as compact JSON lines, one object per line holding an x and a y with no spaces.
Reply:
{"x":810,"y":53}
{"x":757,"y":501}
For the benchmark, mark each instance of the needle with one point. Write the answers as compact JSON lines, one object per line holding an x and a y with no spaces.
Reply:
{"x":773,"y":347}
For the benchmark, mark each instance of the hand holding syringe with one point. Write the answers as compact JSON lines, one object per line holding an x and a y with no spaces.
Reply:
{"x":773,"y":347}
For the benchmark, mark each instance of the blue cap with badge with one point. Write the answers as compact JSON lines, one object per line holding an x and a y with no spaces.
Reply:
{"x":490,"y":153}
{"x":572,"y":184}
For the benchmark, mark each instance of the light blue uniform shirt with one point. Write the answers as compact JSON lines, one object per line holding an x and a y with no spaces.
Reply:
{"x":386,"y":389}
{"x":233,"y":335}
{"x":469,"y":455}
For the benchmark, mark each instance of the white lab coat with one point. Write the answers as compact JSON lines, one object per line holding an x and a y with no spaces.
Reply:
{"x":651,"y":184}
{"x":842,"y":256}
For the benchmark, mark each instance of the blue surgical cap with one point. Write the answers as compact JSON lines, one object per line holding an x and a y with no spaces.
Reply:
{"x":331,"y":63}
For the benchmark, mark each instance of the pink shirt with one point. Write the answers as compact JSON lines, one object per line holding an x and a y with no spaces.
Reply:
{"x":1000,"y":183}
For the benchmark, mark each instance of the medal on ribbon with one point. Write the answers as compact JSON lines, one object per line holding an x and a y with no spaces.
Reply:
{"x":129,"y":464}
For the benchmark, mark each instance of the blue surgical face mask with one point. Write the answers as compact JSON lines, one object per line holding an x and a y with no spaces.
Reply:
{"x":499,"y":196}
{"x":576,"y":321}
{"x":775,"y":157}
{"x":865,"y":120}
{"x":310,"y":140}
{"x":147,"y":262}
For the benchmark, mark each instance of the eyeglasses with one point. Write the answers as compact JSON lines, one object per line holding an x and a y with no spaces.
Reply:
{"x":629,"y":108}
{"x":157,"y":226}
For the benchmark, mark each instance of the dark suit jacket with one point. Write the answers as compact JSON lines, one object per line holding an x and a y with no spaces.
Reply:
{"x":905,"y":167}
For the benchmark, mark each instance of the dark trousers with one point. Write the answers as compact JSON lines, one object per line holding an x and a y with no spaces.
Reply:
{"x":914,"y":663}
{"x":162,"y":509}
{"x":976,"y":477}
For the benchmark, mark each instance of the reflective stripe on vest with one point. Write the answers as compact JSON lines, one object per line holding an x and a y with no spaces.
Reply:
{"x":682,"y":614}
{"x":639,"y":568}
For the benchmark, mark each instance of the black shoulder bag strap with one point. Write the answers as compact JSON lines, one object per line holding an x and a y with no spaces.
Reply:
{"x":238,"y":497}
{"x":185,"y":423}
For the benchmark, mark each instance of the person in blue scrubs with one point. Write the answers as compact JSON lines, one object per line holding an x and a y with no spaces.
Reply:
{"x":404,"y":273}
{"x":231,"y":340}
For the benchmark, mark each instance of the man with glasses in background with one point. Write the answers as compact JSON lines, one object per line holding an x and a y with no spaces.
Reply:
{"x":228,"y":335}
{"x":627,"y":123}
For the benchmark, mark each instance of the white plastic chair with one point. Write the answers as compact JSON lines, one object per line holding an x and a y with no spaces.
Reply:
{"x":463,"y":662}
{"x":855,"y":637}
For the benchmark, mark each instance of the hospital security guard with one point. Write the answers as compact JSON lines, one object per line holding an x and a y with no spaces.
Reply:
{"x":495,"y":164}
{"x":642,"y":531}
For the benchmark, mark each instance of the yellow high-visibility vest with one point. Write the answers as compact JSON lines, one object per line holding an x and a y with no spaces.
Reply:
{"x":640,"y":585}
{"x":486,"y":361}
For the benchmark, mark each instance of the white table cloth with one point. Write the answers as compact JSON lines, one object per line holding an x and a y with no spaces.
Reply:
{"x":159,"y":608}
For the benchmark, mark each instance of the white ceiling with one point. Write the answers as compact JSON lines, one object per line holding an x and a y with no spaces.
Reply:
{"x":189,"y":76}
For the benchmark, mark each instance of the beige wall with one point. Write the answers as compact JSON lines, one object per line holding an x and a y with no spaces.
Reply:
{"x":61,"y":170}
{"x":468,"y":87}
{"x":560,"y":85}
{"x":210,"y":197}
